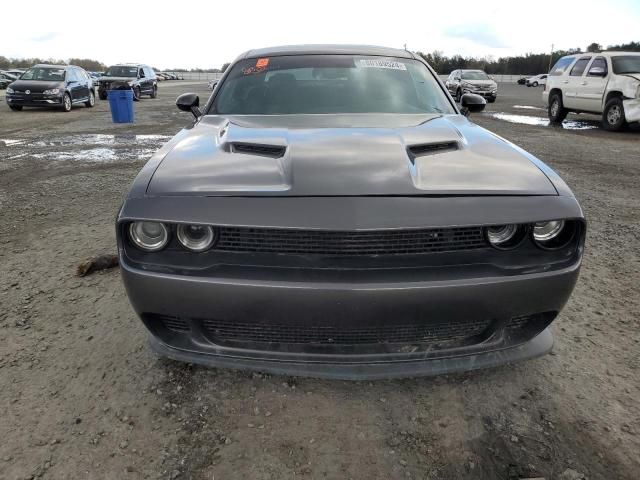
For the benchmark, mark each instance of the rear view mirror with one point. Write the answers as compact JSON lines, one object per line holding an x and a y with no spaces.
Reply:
{"x":189,"y":102}
{"x":470,"y":102}
{"x":597,"y":72}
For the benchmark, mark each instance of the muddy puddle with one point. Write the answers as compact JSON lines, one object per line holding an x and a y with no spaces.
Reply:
{"x":541,"y":121}
{"x":90,"y":148}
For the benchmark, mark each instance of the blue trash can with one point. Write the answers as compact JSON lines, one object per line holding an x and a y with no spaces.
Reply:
{"x":121,"y":104}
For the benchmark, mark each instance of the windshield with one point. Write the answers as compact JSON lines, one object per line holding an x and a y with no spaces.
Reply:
{"x":44,"y":74}
{"x":324,"y":84}
{"x":626,"y":64}
{"x":122,"y":71}
{"x":476,"y":75}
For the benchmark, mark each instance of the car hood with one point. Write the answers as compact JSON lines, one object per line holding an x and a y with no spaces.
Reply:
{"x":35,"y":86}
{"x":344,"y":155}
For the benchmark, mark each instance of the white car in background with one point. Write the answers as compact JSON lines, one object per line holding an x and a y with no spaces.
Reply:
{"x":606,"y":84}
{"x":537,"y":80}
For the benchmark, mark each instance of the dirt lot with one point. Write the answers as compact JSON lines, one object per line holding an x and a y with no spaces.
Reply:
{"x":81,"y":395}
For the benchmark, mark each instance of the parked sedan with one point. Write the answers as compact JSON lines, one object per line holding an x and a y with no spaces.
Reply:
{"x":537,"y":80}
{"x":357,"y":225}
{"x":58,"y":86}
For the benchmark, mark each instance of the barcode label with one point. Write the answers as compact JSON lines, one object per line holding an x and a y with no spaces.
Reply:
{"x":390,"y":64}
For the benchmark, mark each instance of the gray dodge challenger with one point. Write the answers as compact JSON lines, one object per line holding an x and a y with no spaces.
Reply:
{"x":331,"y":212}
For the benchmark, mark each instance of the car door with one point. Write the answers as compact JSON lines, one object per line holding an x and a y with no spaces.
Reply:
{"x":73,"y":85}
{"x":151,"y":78}
{"x":573,"y":86}
{"x":144,"y":80}
{"x":451,"y":82}
{"x":84,"y":83}
{"x":594,"y":84}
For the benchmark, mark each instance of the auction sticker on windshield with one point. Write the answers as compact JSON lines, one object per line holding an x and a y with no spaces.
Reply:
{"x":374,"y":63}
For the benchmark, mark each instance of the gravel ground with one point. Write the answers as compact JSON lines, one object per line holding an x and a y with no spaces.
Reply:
{"x":81,"y":395}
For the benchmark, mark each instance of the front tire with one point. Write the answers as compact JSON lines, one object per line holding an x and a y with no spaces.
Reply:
{"x":136,"y":94}
{"x":535,"y":84}
{"x":154,"y":93}
{"x":102,"y":95}
{"x":66,"y":103}
{"x":92,"y":100}
{"x":557,"y":113}
{"x":16,"y":108}
{"x":613,"y":116}
{"x":491,"y":100}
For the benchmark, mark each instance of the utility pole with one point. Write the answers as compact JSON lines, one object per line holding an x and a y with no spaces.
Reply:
{"x":550,"y":58}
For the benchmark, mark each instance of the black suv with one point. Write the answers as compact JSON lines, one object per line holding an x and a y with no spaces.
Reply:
{"x":140,"y":78}
{"x":59,"y":86}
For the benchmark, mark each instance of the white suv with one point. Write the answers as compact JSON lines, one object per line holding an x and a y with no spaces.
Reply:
{"x":606,"y":83}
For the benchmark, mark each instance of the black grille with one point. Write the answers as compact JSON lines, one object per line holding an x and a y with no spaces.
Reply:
{"x":321,"y":242}
{"x":175,"y":323}
{"x":224,"y":331}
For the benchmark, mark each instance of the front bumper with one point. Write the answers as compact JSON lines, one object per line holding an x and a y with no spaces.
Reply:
{"x":482,"y":93}
{"x":193,"y":300}
{"x":34,"y":100}
{"x":632,"y":109}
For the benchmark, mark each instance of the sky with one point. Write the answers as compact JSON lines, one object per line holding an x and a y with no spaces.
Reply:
{"x":206,"y":34}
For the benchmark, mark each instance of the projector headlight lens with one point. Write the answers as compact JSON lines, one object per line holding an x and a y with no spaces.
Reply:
{"x":196,"y":238}
{"x":149,"y":236}
{"x":545,"y":231}
{"x":501,"y":234}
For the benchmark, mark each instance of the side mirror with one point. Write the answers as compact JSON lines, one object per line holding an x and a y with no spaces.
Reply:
{"x":597,"y":72}
{"x":189,"y":102}
{"x":470,"y":102}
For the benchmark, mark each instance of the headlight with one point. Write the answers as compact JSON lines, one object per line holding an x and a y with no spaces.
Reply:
{"x":555,"y":234}
{"x":10,"y":90}
{"x":53,"y":91}
{"x":545,"y":231}
{"x":149,"y":236}
{"x":196,"y":238}
{"x":637,"y":91}
{"x":505,"y":236}
{"x":499,"y":234}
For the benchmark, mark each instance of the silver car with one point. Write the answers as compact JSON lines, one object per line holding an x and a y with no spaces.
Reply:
{"x":331,"y":212}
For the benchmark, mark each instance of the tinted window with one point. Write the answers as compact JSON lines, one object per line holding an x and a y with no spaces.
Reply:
{"x":316,"y":84}
{"x":561,"y":65}
{"x":46,"y":74}
{"x":578,"y":68}
{"x":598,"y":62}
{"x":121,"y":71}
{"x":626,"y":64}
{"x":475,"y":75}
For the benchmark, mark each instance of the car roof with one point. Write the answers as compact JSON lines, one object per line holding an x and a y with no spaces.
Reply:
{"x":327,"y":50}
{"x":618,"y":53}
{"x":47,"y":65}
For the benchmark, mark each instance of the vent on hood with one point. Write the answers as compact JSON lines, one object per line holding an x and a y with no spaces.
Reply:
{"x":431,"y":148}
{"x":272,"y":151}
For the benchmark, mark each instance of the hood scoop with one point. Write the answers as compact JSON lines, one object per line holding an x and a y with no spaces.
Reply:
{"x":431,"y":149}
{"x":271,"y":151}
